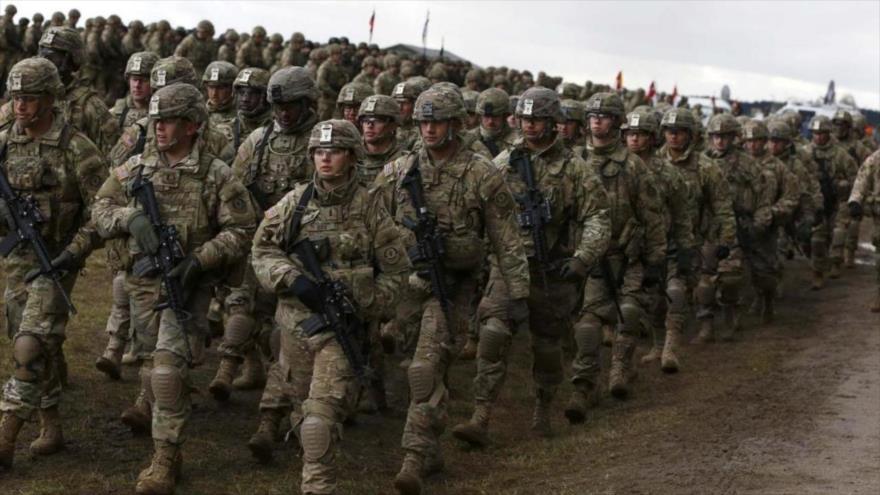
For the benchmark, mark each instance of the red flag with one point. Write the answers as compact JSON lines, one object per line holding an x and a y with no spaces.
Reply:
{"x":372,"y":23}
{"x":652,"y":92}
{"x":619,"y":80}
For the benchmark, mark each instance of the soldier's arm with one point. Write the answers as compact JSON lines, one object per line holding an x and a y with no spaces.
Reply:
{"x":183,"y":48}
{"x":91,"y":172}
{"x":235,"y":217}
{"x":272,"y":265}
{"x":240,"y":59}
{"x":390,"y":257}
{"x":323,"y":82}
{"x":789,"y":200}
{"x":102,"y":124}
{"x":593,"y":215}
{"x":649,"y":209}
{"x":864,"y":179}
{"x":720,"y":202}
{"x":243,"y":162}
{"x":502,"y":231}
{"x":767,"y":186}
{"x":110,"y":210}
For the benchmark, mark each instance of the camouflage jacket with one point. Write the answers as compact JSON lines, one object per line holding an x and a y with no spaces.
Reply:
{"x":673,"y":193}
{"x":385,"y":82}
{"x":271,"y":54}
{"x":126,"y":114}
{"x":833,"y":160}
{"x":211,"y":141}
{"x":372,"y":163}
{"x":866,"y":189}
{"x":364,"y":78}
{"x":199,"y":52}
{"x":331,"y":78}
{"x":809,"y":193}
{"x":241,"y":126}
{"x":580,"y":225}
{"x":407,"y":135}
{"x":709,"y":201}
{"x":62,"y":170}
{"x":291,"y":56}
{"x":363,"y":249}
{"x":786,"y":193}
{"x":500,"y":142}
{"x":222,"y":115}
{"x":752,"y":188}
{"x":470,"y":140}
{"x":638,"y":229}
{"x":226,"y":53}
{"x":471,"y":202}
{"x":200,"y":196}
{"x":250,"y":55}
{"x":271,"y":161}
{"x":854,"y":146}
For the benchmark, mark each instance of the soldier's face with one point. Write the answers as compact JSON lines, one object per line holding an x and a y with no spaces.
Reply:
{"x":203,"y":34}
{"x":435,"y":133}
{"x":721,"y":142}
{"x":174,"y":133}
{"x":821,"y":137}
{"x":534,"y":129}
{"x":570,"y":129}
{"x":377,"y":129}
{"x":406,"y":109}
{"x":58,"y":58}
{"x":472,"y":121}
{"x":840,"y":128}
{"x":677,"y":139}
{"x":493,"y":123}
{"x":139,"y":87}
{"x":777,"y":146}
{"x":755,"y":147}
{"x":218,"y":94}
{"x":638,"y":141}
{"x":289,"y":113}
{"x":30,"y":110}
{"x":350,"y":113}
{"x":601,"y":125}
{"x":250,"y":100}
{"x":332,"y":163}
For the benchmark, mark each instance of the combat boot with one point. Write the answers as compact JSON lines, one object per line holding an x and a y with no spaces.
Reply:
{"x":262,"y":443}
{"x":409,"y":479}
{"x":581,"y":400}
{"x":669,"y":358}
{"x":129,"y":358}
{"x":110,"y":361}
{"x":10,"y":425}
{"x":469,"y":351}
{"x":818,"y":280}
{"x":221,"y":385}
{"x":476,"y":431}
{"x":161,"y":476}
{"x":621,"y":366}
{"x":253,"y":373}
{"x":541,"y":418}
{"x":51,"y":438}
{"x":138,"y":417}
{"x":706,"y":333}
{"x":656,"y":347}
{"x":849,"y":258}
{"x":835,"y":270}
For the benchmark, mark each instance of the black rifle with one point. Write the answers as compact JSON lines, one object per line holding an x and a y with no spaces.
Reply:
{"x":429,"y":249}
{"x":169,"y":254}
{"x":612,"y":283}
{"x":334,"y":310}
{"x":24,"y":222}
{"x":536,"y":213}
{"x":826,"y":184}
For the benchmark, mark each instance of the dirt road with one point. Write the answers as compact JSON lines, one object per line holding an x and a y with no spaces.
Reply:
{"x":793,"y":408}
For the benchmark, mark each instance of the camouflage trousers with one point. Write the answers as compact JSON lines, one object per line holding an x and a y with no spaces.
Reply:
{"x":764,"y":265}
{"x":259,"y":306}
{"x":671,"y":310}
{"x":119,"y":321}
{"x":549,"y":316}
{"x":326,"y":107}
{"x":824,"y":249}
{"x":845,"y":235}
{"x":719,"y":282}
{"x":36,"y":318}
{"x":600,"y":309}
{"x":168,"y":349}
{"x":427,"y":375}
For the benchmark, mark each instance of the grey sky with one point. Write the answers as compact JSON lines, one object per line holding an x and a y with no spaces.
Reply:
{"x":761,"y":49}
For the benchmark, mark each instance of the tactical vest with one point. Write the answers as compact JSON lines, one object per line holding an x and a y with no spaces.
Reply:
{"x":280,"y":164}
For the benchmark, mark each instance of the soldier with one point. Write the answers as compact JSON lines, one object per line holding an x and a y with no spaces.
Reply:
{"x":369,"y":71}
{"x":73,"y":17}
{"x":32,"y":35}
{"x":271,"y":161}
{"x":466,"y":217}
{"x":566,"y":200}
{"x":405,"y":94}
{"x":387,"y":79}
{"x":358,"y":239}
{"x":669,"y":310}
{"x":615,"y":291}
{"x":165,"y":72}
{"x":114,"y":59}
{"x":841,"y":128}
{"x":254,"y":110}
{"x":331,"y":78}
{"x":858,"y":129}
{"x":95,"y":51}
{"x":199,"y":47}
{"x":472,"y":122}
{"x":198,"y":194}
{"x":48,"y":160}
{"x":348,"y":102}
{"x":217,"y":79}
{"x":131,"y":42}
{"x":133,"y":107}
{"x":295,"y":53}
{"x":10,"y":44}
{"x":378,"y":117}
{"x":865,"y":197}
{"x":226,"y":52}
{"x":836,"y":171}
{"x":250,"y":53}
{"x":493,"y":107}
{"x":572,"y":128}
{"x":711,"y":209}
{"x":475,"y":80}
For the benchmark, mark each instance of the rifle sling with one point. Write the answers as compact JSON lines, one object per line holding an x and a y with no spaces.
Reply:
{"x":298,"y":213}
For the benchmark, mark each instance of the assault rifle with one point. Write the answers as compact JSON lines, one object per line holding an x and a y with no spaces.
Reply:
{"x":536,"y":211}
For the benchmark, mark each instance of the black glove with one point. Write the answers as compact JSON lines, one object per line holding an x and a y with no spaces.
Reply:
{"x":63,"y":262}
{"x":652,"y":275}
{"x":573,"y":269}
{"x":684,"y":260}
{"x":855,"y":209}
{"x":141,"y":229}
{"x":187,"y":271}
{"x":722,"y":252}
{"x":518,"y":312}
{"x":307,"y":291}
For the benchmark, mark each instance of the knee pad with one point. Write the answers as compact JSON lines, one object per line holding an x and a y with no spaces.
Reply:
{"x":704,"y":293}
{"x":315,"y":437}
{"x":677,"y":296}
{"x":167,"y":385}
{"x":239,"y":328}
{"x":30,"y":362}
{"x":632,"y":318}
{"x":494,"y":340}
{"x":120,"y":296}
{"x":588,"y":334}
{"x":421,"y":380}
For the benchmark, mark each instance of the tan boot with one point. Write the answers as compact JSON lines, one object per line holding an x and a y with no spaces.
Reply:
{"x":476,"y":431}
{"x":110,"y":361}
{"x":51,"y":439}
{"x":409,"y":479}
{"x":706,"y":333}
{"x":621,"y":366}
{"x":669,"y":359}
{"x":138,"y":417}
{"x":541,"y":417}
{"x":818,"y":280}
{"x":469,"y":351}
{"x":161,"y":476}
{"x":221,"y":386}
{"x":656,"y":347}
{"x":253,"y":373}
{"x":581,"y":400}
{"x":10,"y":425}
{"x":262,"y":442}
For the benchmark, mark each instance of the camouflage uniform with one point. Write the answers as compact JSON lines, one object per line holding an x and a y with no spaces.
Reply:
{"x":866,"y":195}
{"x":366,"y":254}
{"x":61,"y":170}
{"x":388,"y":78}
{"x":578,"y":226}
{"x":637,"y":248}
{"x":350,"y":97}
{"x":272,"y":52}
{"x":466,"y":216}
{"x":372,"y":163}
{"x":293,"y":54}
{"x":495,"y":102}
{"x":842,"y":128}
{"x":220,"y":74}
{"x":573,"y":111}
{"x":242,"y":124}
{"x":212,"y":210}
{"x":406,"y":93}
{"x":125,"y":111}
{"x":366,"y":75}
{"x":226,"y":52}
{"x":331,"y":78}
{"x":250,"y":53}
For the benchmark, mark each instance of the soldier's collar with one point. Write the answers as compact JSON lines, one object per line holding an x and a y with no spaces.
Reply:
{"x":52,"y":136}
{"x":339,"y":195}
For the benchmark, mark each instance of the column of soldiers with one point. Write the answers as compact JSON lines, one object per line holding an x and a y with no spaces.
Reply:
{"x":231,"y":203}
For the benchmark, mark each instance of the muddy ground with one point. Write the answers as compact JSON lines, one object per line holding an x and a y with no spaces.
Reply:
{"x":793,"y":408}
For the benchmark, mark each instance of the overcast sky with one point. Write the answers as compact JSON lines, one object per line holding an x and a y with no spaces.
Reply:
{"x":772,"y":50}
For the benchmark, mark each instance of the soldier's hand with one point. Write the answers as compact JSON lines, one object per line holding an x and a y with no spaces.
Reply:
{"x":63,"y":262}
{"x":652,"y":275}
{"x":518,"y":312}
{"x":573,"y":269}
{"x":187,"y":271}
{"x":855,"y":209}
{"x":307,"y":291}
{"x":722,"y":252}
{"x":141,"y":229}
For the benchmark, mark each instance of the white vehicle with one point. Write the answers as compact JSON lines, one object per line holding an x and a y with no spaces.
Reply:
{"x":705,"y":103}
{"x":810,"y":109}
